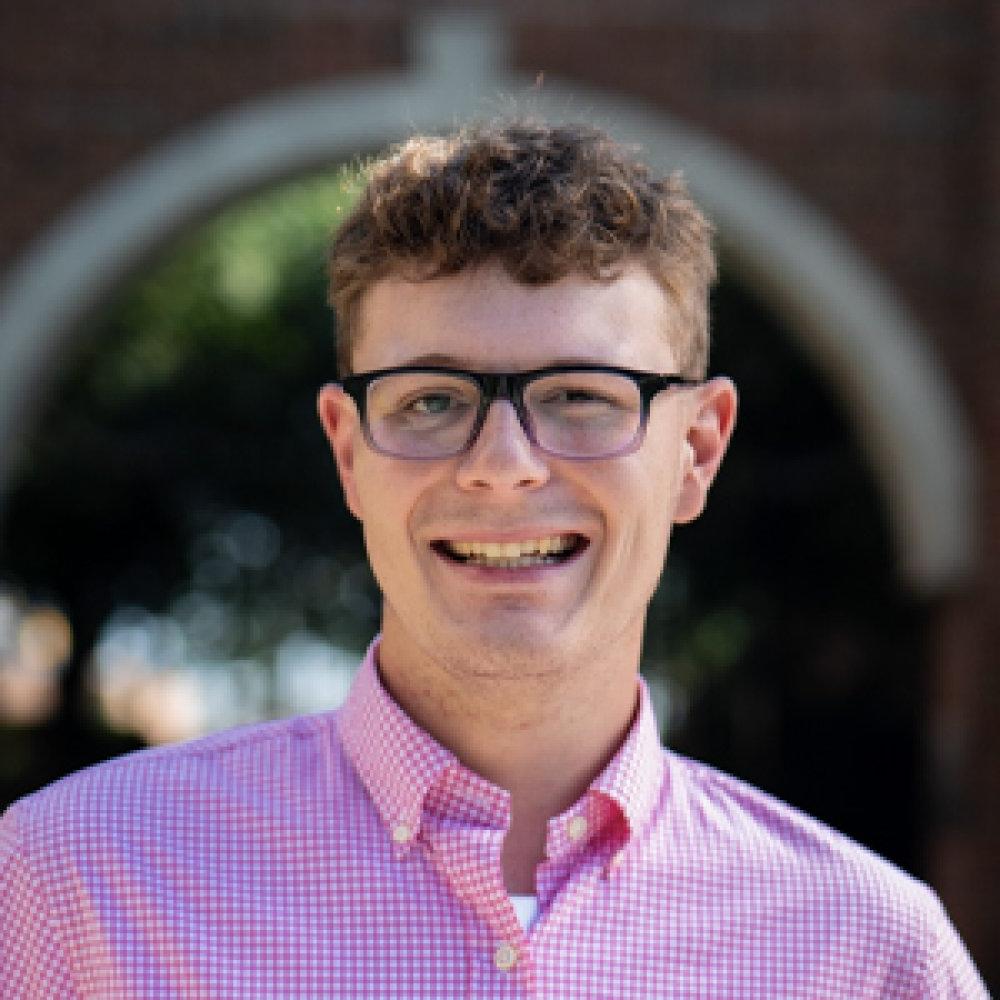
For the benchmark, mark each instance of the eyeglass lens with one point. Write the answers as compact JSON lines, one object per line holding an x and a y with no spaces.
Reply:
{"x":583,"y":414}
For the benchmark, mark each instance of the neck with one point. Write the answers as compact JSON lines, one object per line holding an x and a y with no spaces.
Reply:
{"x":540,"y":727}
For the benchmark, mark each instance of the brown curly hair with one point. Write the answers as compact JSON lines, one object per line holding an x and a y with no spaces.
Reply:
{"x":545,"y":201}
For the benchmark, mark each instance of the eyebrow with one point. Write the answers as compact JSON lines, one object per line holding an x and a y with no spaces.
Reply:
{"x":466,"y":364}
{"x":438,"y":360}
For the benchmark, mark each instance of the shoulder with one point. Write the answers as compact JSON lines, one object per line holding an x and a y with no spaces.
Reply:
{"x":731,"y":816}
{"x":250,"y":769}
{"x":799,"y":872}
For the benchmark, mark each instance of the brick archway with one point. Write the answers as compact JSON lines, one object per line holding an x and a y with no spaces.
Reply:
{"x":849,"y":320}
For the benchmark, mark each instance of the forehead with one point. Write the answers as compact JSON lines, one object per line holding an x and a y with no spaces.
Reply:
{"x":482,"y":318}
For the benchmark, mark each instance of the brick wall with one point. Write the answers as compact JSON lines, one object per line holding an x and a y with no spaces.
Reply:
{"x":85,"y":88}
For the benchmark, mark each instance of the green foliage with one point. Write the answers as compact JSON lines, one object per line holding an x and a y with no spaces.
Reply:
{"x":180,"y":468}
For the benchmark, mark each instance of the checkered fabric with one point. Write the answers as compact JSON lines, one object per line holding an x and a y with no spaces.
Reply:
{"x":347,"y":855}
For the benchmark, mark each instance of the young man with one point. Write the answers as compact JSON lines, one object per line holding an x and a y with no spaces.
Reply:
{"x":522,"y":420}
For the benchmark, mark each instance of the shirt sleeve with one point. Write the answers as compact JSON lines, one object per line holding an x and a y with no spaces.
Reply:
{"x":949,"y":972}
{"x":33,"y":963}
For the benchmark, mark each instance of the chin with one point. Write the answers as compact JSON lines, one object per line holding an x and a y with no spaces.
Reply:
{"x":514,"y":648}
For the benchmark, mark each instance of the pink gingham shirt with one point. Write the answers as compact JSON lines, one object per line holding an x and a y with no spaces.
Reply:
{"x":348,"y":855}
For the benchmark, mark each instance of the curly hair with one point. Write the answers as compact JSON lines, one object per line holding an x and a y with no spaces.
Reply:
{"x":545,"y":201}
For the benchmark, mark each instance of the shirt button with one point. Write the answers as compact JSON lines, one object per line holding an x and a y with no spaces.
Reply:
{"x":505,"y":957}
{"x":401,"y":833}
{"x":577,"y":828}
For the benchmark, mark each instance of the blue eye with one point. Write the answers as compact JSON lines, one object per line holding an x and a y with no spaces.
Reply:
{"x":433,"y":403}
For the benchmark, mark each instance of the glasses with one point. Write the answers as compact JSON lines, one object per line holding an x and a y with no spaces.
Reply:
{"x":571,"y":411}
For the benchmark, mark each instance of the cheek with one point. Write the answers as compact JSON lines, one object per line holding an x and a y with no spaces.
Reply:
{"x":391,"y":496}
{"x":382,"y":486}
{"x":639,"y":508}
{"x":390,"y":555}
{"x":381,"y":511}
{"x":636,"y":498}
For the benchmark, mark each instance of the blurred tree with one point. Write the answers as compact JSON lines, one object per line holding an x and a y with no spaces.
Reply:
{"x":181,"y":460}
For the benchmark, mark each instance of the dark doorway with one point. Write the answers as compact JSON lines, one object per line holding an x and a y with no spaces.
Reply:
{"x":795,"y":656}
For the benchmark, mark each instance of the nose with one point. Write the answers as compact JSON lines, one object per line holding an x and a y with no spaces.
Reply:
{"x":502,"y":457}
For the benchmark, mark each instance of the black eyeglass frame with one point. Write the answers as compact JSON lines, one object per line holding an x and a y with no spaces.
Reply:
{"x":510,"y":386}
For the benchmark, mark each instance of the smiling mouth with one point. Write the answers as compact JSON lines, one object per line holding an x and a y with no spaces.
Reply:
{"x":546,"y":551}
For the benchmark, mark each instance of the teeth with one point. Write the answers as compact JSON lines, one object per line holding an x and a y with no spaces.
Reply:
{"x":509,"y":555}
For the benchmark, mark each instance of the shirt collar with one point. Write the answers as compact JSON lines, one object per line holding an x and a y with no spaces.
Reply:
{"x":634,"y":776}
{"x":399,"y":763}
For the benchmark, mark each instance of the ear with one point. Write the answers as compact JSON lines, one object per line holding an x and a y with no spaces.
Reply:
{"x":339,"y":416}
{"x":708,"y":434}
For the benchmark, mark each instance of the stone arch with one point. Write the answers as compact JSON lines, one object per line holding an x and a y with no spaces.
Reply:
{"x":854,"y":327}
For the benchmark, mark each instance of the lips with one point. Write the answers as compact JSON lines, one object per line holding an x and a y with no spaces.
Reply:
{"x":541,"y":551}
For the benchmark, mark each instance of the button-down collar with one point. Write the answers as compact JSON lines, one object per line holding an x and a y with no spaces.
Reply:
{"x":401,"y":765}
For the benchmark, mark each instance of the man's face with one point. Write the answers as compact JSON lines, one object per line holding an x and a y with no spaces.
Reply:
{"x":617,"y":512}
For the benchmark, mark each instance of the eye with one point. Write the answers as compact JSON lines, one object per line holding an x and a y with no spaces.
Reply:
{"x":580,"y":396}
{"x":433,"y":404}
{"x":577,"y":397}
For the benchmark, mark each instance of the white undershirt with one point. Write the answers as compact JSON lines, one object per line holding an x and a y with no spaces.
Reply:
{"x":526,"y":908}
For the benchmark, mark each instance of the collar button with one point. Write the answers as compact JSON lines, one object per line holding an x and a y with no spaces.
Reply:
{"x":402,"y":833}
{"x":505,"y":957}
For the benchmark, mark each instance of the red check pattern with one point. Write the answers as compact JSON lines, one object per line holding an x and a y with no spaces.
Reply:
{"x":348,"y":855}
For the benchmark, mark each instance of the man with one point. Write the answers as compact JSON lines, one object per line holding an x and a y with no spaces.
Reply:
{"x":523,"y":418}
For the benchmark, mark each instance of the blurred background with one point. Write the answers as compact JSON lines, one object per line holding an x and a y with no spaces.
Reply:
{"x":175,"y":555}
